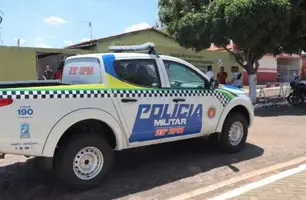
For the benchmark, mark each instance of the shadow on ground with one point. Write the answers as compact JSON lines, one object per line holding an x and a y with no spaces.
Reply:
{"x":281,"y":110}
{"x":134,"y":171}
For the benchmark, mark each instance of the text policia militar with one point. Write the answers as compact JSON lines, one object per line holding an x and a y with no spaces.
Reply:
{"x":165,"y":119}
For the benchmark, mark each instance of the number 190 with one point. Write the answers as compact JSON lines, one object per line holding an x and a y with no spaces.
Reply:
{"x":25,"y":111}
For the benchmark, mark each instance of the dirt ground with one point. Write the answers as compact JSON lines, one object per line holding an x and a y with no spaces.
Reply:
{"x":161,"y":171}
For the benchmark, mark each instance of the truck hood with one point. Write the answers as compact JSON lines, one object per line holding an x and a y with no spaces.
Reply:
{"x":232,"y":89}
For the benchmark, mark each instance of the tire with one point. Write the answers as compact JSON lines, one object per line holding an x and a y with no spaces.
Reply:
{"x":295,"y":100}
{"x":289,"y":98}
{"x":225,"y":143}
{"x":72,"y":156}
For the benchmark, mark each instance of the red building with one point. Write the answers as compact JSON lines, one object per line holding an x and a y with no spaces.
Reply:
{"x":281,"y":68}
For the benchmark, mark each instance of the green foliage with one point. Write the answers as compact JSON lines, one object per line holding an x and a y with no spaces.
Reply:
{"x":257,"y":27}
{"x":295,"y":40}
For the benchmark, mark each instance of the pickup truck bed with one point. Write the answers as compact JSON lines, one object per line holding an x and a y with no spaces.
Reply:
{"x":34,"y":83}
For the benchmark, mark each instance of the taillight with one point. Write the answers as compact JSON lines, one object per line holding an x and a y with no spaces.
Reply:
{"x":6,"y":102}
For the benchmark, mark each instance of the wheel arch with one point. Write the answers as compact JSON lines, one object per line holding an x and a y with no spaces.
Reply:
{"x":74,"y":118}
{"x":242,"y":107}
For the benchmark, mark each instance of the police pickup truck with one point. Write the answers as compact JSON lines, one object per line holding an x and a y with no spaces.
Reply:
{"x":108,"y":102}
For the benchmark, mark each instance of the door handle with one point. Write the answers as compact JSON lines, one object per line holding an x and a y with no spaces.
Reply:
{"x":128,"y":100}
{"x":178,"y":100}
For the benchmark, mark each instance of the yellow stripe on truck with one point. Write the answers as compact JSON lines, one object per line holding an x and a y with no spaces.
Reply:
{"x":118,"y":84}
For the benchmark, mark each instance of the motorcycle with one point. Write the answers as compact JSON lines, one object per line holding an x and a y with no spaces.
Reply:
{"x":298,"y":92}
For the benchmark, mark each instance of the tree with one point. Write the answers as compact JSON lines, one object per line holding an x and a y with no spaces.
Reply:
{"x":256,"y":27}
{"x":158,"y":25}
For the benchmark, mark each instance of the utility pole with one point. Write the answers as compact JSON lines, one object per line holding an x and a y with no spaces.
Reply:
{"x":1,"y":16}
{"x":1,"y":19}
{"x":90,"y":30}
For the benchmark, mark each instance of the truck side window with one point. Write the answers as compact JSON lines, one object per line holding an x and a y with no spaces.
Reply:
{"x":84,"y":70}
{"x":181,"y":76}
{"x":142,"y":72}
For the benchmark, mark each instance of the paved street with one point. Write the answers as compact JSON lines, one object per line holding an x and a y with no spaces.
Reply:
{"x":290,"y":188}
{"x":168,"y":170}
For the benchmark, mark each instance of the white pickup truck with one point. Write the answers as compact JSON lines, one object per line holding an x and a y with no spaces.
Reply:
{"x":113,"y":101}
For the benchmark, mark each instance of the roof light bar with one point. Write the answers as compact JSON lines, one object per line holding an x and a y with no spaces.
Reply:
{"x":149,"y":46}
{"x":142,"y":47}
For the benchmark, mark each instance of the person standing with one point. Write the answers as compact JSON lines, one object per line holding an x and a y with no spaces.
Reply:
{"x":209,"y":73}
{"x":48,"y":74}
{"x":222,"y":76}
{"x":59,"y":72}
{"x":235,"y":78}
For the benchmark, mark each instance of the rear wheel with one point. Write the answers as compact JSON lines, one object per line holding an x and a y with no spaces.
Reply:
{"x":83,"y":161}
{"x":234,"y":133}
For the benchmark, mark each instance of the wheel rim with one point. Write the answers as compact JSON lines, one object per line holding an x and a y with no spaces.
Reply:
{"x":236,"y":133}
{"x":88,"y":163}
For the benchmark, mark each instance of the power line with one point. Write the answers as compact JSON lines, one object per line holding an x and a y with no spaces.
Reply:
{"x":24,"y":2}
{"x":30,"y":6}
{"x":37,"y":10}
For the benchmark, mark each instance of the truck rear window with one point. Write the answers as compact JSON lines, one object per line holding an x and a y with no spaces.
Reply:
{"x":82,"y":71}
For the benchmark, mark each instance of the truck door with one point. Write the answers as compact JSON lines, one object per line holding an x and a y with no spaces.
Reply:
{"x":198,"y":108}
{"x":136,"y":86}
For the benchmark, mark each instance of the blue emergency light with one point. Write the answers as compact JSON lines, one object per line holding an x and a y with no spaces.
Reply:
{"x":149,"y":46}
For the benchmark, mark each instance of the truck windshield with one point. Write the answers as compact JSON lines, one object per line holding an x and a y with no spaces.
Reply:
{"x":82,"y":71}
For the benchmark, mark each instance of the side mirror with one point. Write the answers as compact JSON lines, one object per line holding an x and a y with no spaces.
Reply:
{"x":213,"y":83}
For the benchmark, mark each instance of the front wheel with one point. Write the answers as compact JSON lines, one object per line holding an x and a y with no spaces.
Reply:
{"x":83,"y":161}
{"x":295,"y":99}
{"x":234,"y":133}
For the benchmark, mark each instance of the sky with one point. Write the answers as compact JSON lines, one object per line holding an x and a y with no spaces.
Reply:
{"x":59,"y":23}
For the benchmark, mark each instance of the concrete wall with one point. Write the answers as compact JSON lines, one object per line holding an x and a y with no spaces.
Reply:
{"x":17,"y":64}
{"x":267,"y":71}
{"x":201,"y":59}
{"x":137,"y":38}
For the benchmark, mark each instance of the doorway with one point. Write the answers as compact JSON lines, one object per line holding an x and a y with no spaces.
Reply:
{"x":52,"y":60}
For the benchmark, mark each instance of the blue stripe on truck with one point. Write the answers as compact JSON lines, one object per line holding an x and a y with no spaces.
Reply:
{"x":108,"y":61}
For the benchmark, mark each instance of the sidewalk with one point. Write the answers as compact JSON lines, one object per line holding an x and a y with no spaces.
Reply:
{"x":289,"y":188}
